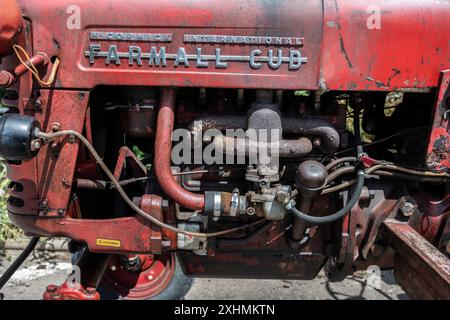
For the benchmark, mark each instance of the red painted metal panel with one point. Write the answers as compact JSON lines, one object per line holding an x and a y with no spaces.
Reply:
{"x":409,"y":49}
{"x":296,"y":19}
{"x":47,"y":179}
{"x":407,"y":52}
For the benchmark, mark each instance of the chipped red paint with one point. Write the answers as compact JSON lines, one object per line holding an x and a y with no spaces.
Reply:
{"x":421,"y":270}
{"x":408,"y":50}
{"x":145,"y":237}
{"x":343,"y":54}
{"x":49,"y":176}
{"x":439,"y":146}
{"x":65,"y":292}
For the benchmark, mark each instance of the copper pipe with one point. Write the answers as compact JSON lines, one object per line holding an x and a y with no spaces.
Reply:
{"x":163,"y":151}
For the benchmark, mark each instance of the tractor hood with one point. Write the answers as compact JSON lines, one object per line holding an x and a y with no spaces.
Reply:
{"x":287,"y":44}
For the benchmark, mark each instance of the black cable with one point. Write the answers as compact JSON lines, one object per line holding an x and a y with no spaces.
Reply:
{"x":374,"y":142}
{"x":18,"y":262}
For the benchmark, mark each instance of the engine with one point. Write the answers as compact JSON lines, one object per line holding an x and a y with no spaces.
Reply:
{"x":236,"y":140}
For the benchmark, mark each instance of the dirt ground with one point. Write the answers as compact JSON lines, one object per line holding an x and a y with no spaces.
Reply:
{"x":44,"y":268}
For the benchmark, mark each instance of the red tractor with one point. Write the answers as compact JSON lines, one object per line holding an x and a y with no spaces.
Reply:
{"x":255,"y":139}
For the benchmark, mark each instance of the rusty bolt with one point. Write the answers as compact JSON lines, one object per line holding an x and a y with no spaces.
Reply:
{"x":36,"y":145}
{"x":61,"y":212}
{"x":44,"y":203}
{"x":407,"y":209}
{"x":56,"y":126}
{"x":38,"y":103}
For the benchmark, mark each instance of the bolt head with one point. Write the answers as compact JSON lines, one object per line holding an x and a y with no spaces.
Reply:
{"x":407,"y":209}
{"x":251,"y":211}
{"x":317,"y":142}
{"x":56,"y":126}
{"x":38,"y":103}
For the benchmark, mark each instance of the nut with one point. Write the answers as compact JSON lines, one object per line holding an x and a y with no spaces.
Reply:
{"x":407,"y":209}
{"x":56,"y":126}
{"x":317,"y":142}
{"x":38,"y":103}
{"x":36,"y":145}
{"x":251,"y":211}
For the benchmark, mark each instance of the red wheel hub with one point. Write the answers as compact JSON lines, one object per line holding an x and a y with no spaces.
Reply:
{"x":150,"y":280}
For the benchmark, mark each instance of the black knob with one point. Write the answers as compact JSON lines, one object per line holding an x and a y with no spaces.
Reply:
{"x":16,"y":135}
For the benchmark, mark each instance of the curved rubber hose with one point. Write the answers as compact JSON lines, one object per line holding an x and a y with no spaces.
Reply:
{"x":18,"y":262}
{"x":359,"y":185}
{"x":335,"y":216}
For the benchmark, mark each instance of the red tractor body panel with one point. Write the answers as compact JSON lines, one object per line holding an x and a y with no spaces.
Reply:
{"x":101,"y":86}
{"x":348,"y":45}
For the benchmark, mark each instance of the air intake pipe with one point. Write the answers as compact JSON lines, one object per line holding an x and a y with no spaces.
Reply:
{"x":163,"y":151}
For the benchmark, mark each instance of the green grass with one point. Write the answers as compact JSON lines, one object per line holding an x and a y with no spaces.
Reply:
{"x":7,"y":230}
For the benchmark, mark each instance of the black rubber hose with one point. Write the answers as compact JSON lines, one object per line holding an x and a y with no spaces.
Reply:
{"x":355,"y":197}
{"x":335,"y":216}
{"x":18,"y":262}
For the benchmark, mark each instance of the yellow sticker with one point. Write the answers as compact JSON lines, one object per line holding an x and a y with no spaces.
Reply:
{"x":108,"y":243}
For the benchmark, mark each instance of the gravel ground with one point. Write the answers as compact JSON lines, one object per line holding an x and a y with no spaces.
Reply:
{"x":44,"y":268}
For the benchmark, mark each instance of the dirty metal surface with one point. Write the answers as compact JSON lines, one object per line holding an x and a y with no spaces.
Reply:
{"x":332,"y":34}
{"x":439,"y":144}
{"x":421,"y":270}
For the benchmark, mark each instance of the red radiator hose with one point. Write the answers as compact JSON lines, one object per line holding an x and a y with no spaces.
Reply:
{"x":163,"y":150}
